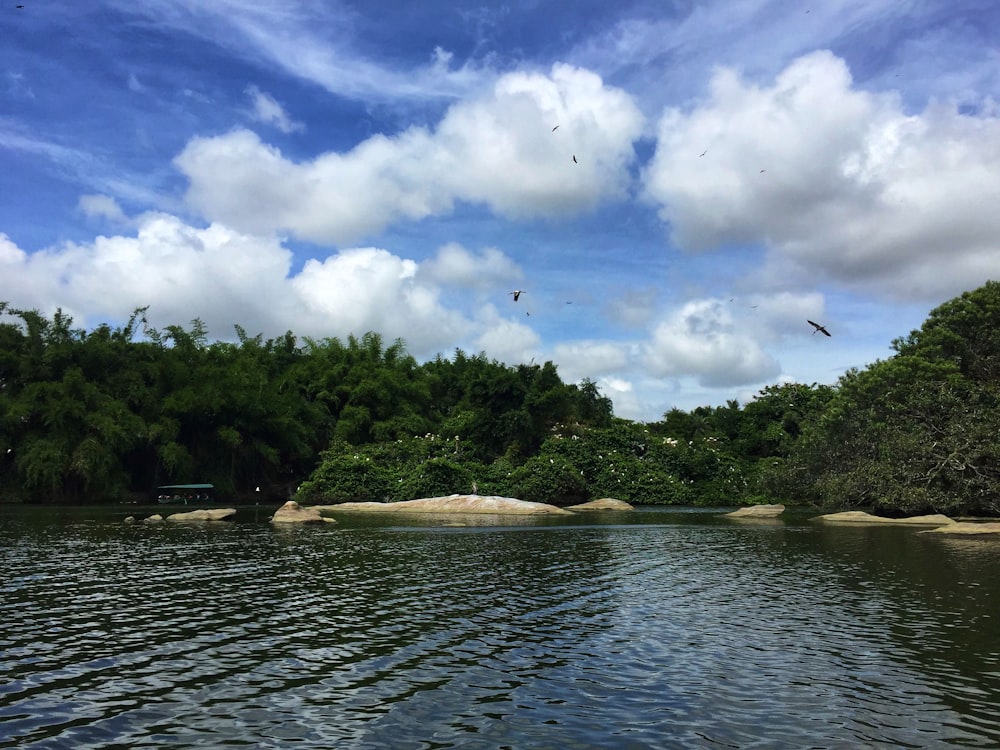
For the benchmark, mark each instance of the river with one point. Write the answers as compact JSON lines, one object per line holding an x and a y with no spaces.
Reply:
{"x":661,"y":628}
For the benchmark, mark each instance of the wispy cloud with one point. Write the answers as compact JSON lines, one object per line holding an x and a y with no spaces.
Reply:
{"x":313,"y":42}
{"x":266,"y":109}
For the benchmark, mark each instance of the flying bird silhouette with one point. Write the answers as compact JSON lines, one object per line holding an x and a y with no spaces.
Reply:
{"x":574,"y":159}
{"x":818,"y":327}
{"x":555,"y":128}
{"x":703,"y":153}
{"x":516,"y":293}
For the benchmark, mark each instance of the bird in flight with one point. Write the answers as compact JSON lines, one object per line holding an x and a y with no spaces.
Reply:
{"x":703,"y":153}
{"x":516,"y":293}
{"x":818,"y":327}
{"x":574,"y":159}
{"x":555,"y":128}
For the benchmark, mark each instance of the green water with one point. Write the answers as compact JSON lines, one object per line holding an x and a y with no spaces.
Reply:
{"x":660,"y":628}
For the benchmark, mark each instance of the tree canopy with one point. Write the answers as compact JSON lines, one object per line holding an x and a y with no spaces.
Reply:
{"x":114,"y":412}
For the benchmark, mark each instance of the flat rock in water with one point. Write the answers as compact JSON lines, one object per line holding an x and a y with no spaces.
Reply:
{"x":452,"y":504}
{"x":155,"y":518}
{"x":757,"y":511}
{"x":859,"y":516}
{"x":966,"y":528}
{"x":604,"y":503}
{"x":292,"y":512}
{"x":204,"y":514}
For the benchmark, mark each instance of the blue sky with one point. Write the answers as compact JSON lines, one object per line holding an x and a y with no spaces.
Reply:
{"x":332,"y":168}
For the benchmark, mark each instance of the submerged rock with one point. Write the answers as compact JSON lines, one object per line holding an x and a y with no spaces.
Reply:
{"x":859,"y":516}
{"x":204,"y":514}
{"x":604,"y":503}
{"x":966,"y":528}
{"x":292,"y":512}
{"x":451,"y":504}
{"x":757,"y":511}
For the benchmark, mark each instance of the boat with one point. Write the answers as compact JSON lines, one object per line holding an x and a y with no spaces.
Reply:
{"x":184,"y":493}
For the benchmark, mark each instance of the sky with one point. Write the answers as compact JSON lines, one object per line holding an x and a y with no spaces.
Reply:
{"x":675,"y":186}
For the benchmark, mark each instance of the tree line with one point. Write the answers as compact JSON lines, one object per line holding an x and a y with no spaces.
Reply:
{"x":88,"y":416}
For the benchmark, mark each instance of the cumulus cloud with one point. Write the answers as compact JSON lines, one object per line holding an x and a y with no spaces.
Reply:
{"x":589,"y":359}
{"x":267,"y":110}
{"x":507,"y":340}
{"x":702,"y":340}
{"x":834,"y":178}
{"x":225,"y":277}
{"x":103,"y":207}
{"x":453,"y":265}
{"x":499,"y":151}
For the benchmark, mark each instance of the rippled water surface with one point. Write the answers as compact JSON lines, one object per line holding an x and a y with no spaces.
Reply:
{"x":655,"y":629}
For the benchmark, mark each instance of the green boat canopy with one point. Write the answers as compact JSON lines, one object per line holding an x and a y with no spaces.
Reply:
{"x":186,"y":486}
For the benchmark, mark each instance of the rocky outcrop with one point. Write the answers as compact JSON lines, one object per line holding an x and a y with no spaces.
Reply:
{"x":155,"y":518}
{"x":604,"y":503}
{"x":757,"y":511}
{"x":966,"y":528}
{"x":204,"y":514}
{"x":451,"y":504}
{"x":292,"y":512}
{"x":859,"y":516}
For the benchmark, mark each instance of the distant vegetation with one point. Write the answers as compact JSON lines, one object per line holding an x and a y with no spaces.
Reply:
{"x":112,"y":413}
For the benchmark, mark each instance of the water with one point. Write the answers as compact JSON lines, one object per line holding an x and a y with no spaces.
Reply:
{"x":658,"y":629}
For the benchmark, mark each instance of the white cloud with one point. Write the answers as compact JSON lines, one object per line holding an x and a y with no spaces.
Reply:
{"x":225,"y":278}
{"x":317,"y":42}
{"x":589,"y":359}
{"x":267,"y":110}
{"x":102,"y":206}
{"x":853,"y":188}
{"x":506,"y":340}
{"x":453,"y":265}
{"x":499,"y":151}
{"x":371,"y":289}
{"x":702,"y":340}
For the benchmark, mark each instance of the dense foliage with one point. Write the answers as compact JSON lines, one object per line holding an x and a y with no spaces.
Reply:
{"x":919,"y":431}
{"x":113,"y":413}
{"x":109,"y":413}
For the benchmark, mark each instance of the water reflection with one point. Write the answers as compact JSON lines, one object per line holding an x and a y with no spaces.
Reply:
{"x":660,"y":629}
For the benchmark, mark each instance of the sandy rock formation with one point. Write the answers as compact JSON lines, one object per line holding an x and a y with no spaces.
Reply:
{"x":604,"y":503}
{"x":859,"y":516}
{"x":292,"y":512}
{"x":451,"y":504}
{"x":966,"y":528}
{"x":757,"y":511}
{"x":204,"y":514}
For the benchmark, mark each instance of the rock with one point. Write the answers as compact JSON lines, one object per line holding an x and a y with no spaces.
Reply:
{"x":451,"y":504}
{"x":966,"y":528}
{"x":292,"y":512}
{"x":757,"y":511}
{"x":155,"y":518}
{"x":129,"y":519}
{"x":204,"y":514}
{"x":859,"y":516}
{"x":604,"y":503}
